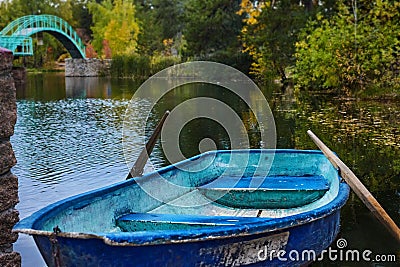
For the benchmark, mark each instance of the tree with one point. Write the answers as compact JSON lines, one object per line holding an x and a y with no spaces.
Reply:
{"x":5,"y":13}
{"x":19,"y":8}
{"x":80,"y":14}
{"x":168,"y":17}
{"x":160,"y":20}
{"x":101,"y":15}
{"x":354,"y":50}
{"x":149,"y":39}
{"x":271,"y":31}
{"x":115,"y":22}
{"x":211,"y":26}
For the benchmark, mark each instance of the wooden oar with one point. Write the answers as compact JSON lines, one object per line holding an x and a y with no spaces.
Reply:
{"x":361,"y":191}
{"x":137,"y":169}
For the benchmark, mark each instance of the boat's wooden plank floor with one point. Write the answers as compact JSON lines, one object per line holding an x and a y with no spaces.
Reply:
{"x":196,"y":203}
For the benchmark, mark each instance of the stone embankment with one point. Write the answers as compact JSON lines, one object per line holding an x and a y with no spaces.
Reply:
{"x":8,"y":182}
{"x":88,"y":67}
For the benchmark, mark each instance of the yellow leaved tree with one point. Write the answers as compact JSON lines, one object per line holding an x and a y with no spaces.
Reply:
{"x":116,"y":26}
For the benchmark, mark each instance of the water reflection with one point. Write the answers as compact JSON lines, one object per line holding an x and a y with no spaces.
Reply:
{"x":365,"y":134}
{"x":88,"y":87}
{"x":42,"y":87}
{"x":247,"y":133}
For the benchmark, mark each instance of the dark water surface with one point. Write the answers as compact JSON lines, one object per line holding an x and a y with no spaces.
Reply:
{"x":68,"y":140}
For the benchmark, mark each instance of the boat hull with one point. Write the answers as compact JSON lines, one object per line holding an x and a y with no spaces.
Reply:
{"x":301,"y":244}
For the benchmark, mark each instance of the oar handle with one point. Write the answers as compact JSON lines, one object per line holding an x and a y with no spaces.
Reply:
{"x":137,"y":169}
{"x":361,"y":191}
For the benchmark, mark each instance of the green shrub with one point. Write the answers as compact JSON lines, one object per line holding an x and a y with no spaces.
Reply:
{"x":158,"y":63}
{"x":353,"y":57}
{"x":131,"y":66}
{"x":117,"y":66}
{"x":140,"y":66}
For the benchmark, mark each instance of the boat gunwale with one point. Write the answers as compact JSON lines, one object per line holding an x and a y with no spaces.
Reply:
{"x":204,"y":234}
{"x":182,"y":236}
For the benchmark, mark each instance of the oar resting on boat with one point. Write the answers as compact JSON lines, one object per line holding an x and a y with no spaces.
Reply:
{"x":137,"y":168}
{"x":361,"y":191}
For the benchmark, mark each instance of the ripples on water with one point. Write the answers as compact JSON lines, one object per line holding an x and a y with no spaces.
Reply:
{"x":65,"y":147}
{"x":74,"y":144}
{"x":66,"y":143}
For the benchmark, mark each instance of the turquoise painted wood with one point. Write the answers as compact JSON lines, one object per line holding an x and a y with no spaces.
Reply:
{"x":163,"y":218}
{"x":266,"y":192}
{"x":160,"y":222}
{"x":16,"y":36}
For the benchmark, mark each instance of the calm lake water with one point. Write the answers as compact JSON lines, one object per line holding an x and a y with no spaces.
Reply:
{"x":68,"y":140}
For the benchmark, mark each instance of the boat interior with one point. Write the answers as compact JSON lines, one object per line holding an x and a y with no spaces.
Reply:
{"x":212,"y":189}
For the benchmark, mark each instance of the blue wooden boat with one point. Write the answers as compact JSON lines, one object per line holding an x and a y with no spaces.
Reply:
{"x":220,"y":208}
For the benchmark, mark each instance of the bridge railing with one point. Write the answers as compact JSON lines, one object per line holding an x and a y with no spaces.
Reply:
{"x":21,"y":44}
{"x":28,"y":25}
{"x":51,"y":22}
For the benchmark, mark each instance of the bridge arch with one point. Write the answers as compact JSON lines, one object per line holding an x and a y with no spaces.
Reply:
{"x":16,"y":35}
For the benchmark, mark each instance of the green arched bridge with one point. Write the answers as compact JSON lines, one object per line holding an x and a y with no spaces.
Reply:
{"x":16,"y":36}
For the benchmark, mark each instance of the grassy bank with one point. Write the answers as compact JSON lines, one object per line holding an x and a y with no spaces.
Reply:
{"x":140,"y":66}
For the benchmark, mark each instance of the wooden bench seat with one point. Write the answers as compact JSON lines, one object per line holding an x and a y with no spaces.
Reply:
{"x":265,"y":192}
{"x":153,"y":222}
